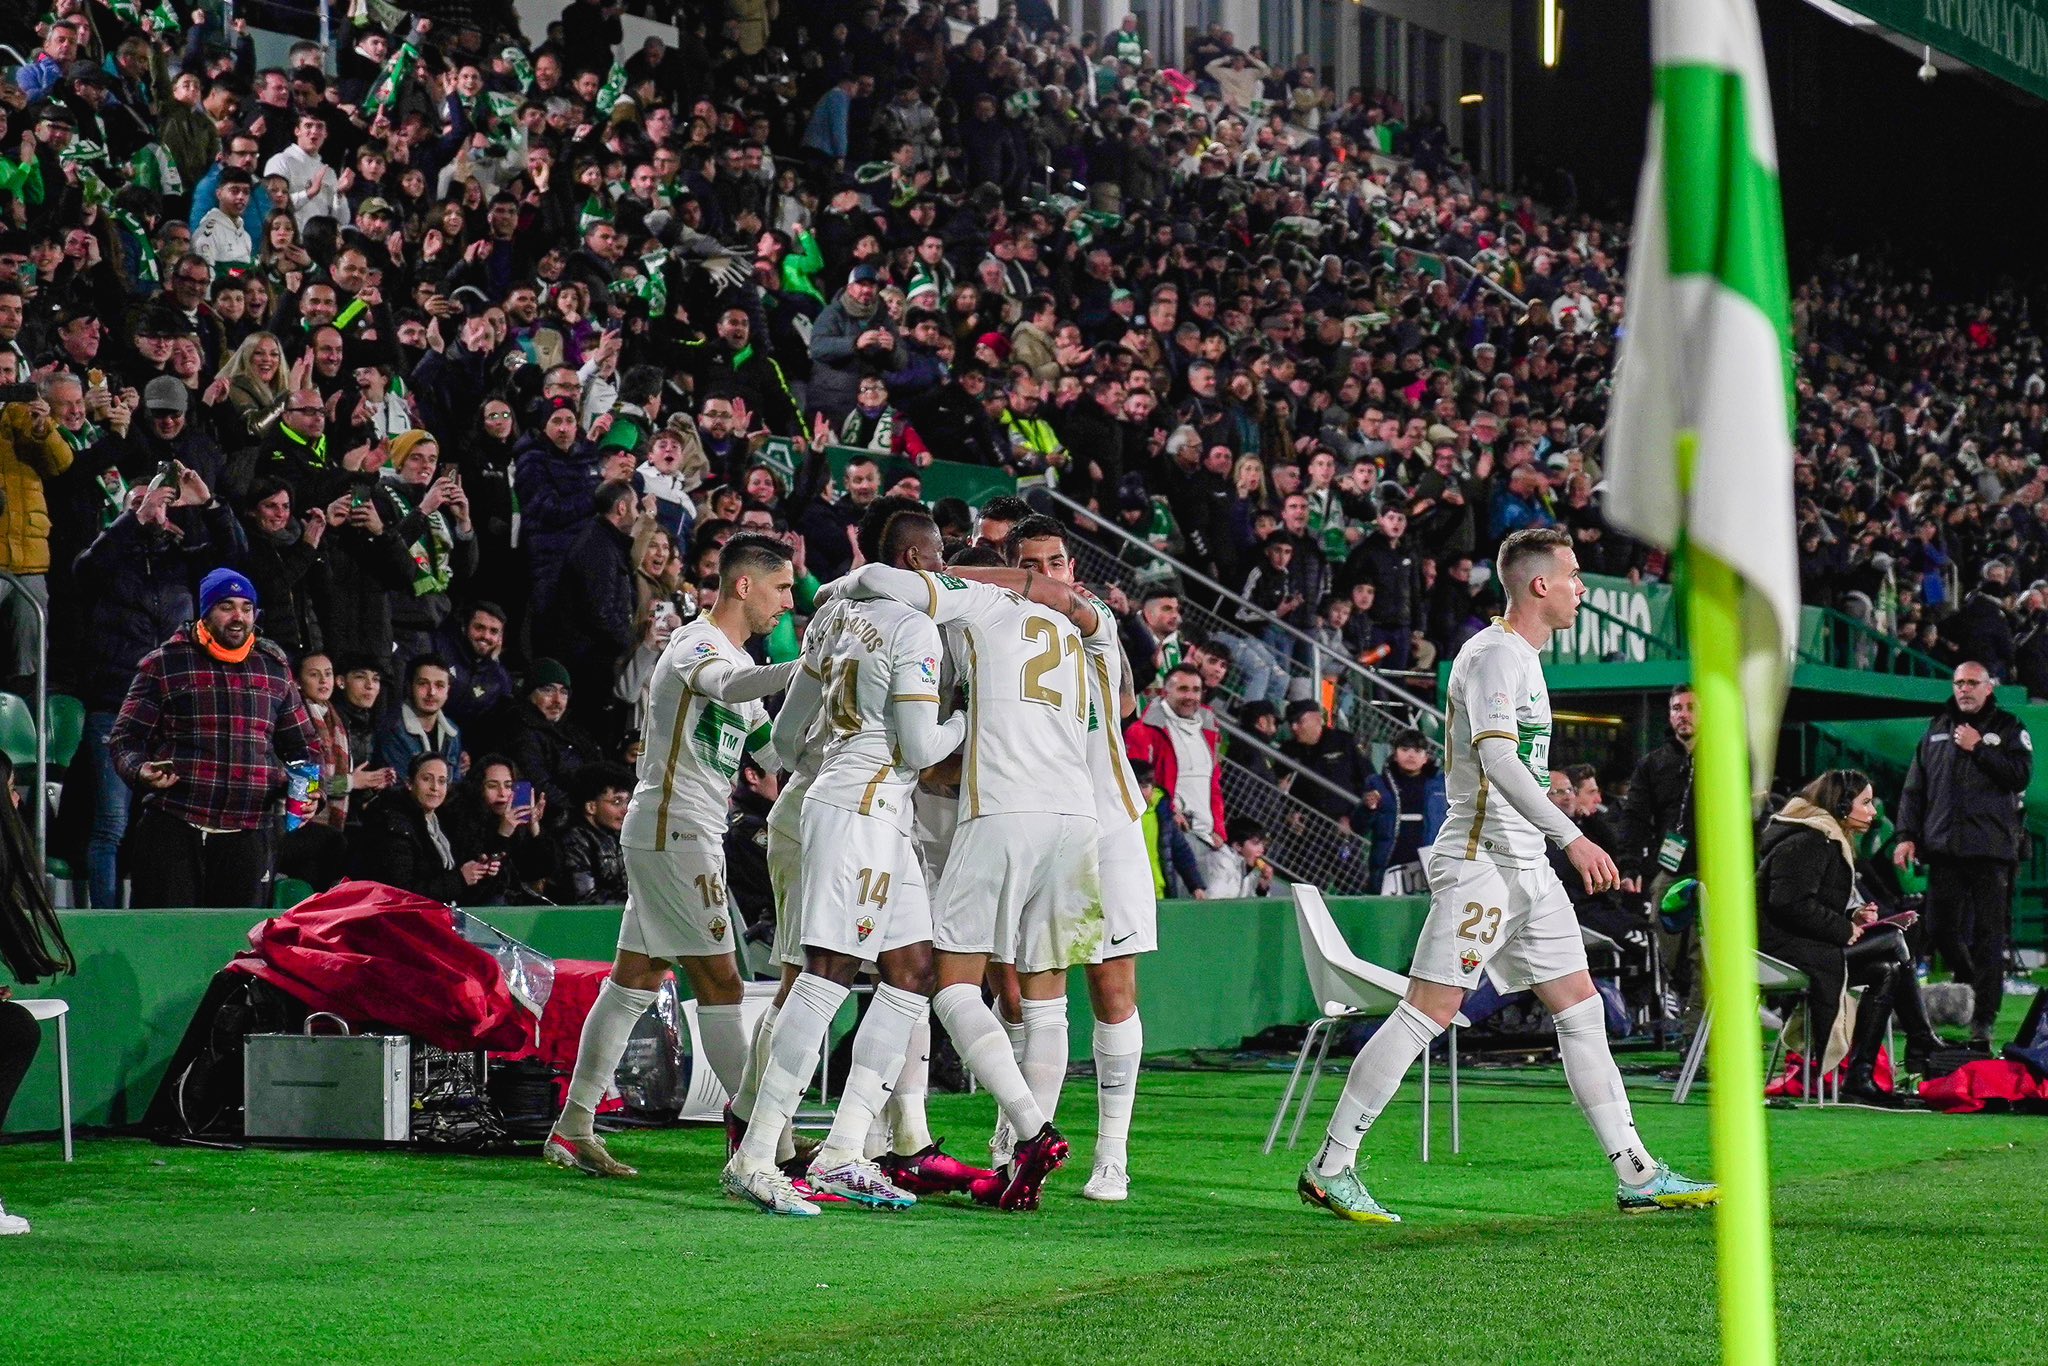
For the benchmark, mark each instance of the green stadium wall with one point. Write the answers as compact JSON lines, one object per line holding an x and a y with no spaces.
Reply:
{"x":1226,"y":970}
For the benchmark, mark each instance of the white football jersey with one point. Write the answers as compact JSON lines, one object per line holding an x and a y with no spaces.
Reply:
{"x":785,"y":815}
{"x":1118,"y":799}
{"x":866,"y":655}
{"x":693,"y":744}
{"x":1027,"y":674}
{"x":1496,"y":689}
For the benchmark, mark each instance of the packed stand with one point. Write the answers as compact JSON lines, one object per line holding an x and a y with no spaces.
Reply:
{"x":464,"y":361}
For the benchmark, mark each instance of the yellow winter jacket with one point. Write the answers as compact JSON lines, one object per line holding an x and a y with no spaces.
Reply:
{"x":25,"y":462}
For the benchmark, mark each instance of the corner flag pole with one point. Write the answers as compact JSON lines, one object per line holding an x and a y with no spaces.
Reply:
{"x":1727,"y":863}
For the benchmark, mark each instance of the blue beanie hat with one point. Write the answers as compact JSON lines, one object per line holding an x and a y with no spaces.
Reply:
{"x":222,"y":584}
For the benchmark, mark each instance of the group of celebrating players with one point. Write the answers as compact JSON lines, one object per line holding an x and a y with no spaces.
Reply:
{"x":925,"y":840}
{"x":957,"y":810}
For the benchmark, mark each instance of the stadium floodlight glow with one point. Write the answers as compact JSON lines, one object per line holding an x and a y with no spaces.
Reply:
{"x":1553,"y":31}
{"x":1471,"y":99}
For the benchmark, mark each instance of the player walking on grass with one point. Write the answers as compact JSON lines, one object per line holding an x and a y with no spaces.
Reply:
{"x":1494,"y":902}
{"x":704,"y":712}
{"x":1021,"y":883}
{"x":1130,"y":910}
{"x":870,"y":669}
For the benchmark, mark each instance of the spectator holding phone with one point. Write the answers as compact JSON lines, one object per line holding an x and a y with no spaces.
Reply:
{"x":209,"y":723}
{"x":1812,"y":913}
{"x":496,"y":816}
{"x":403,"y":843}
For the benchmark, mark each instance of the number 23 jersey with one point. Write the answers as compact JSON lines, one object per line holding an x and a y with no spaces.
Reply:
{"x":1496,"y":689}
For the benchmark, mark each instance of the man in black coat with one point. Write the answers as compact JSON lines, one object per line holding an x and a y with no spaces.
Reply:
{"x":1960,"y":814}
{"x":1386,"y":559}
{"x":1656,"y":846}
{"x":591,"y":639}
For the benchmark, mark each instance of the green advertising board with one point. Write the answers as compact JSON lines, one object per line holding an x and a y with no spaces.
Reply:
{"x":1630,"y":623}
{"x":973,"y":485}
{"x":2003,"y":38}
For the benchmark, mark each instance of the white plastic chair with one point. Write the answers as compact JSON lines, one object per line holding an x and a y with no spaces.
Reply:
{"x":1349,"y":988}
{"x":705,"y":1103}
{"x":1774,"y":976}
{"x":60,"y":1011}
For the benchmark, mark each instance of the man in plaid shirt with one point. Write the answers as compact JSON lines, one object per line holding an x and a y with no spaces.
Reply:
{"x":208,"y":724}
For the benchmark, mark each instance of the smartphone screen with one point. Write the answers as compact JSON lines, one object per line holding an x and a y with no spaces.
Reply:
{"x":522,"y":795}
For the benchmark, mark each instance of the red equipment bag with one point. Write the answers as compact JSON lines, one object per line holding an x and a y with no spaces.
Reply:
{"x":375,"y":955}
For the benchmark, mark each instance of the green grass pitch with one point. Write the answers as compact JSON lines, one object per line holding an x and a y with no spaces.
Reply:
{"x":1900,"y":1238}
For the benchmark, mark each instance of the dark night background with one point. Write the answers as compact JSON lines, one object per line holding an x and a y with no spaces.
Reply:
{"x":1946,"y":175}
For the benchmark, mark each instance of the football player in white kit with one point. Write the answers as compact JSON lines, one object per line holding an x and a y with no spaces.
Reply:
{"x":1130,"y":909}
{"x":1021,"y":883}
{"x":704,"y":712}
{"x":870,"y":686}
{"x":1495,"y":904}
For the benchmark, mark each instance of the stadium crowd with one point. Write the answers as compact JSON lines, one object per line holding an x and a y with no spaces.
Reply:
{"x":391,"y":420}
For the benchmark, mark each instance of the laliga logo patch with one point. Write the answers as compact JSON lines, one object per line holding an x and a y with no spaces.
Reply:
{"x":864,"y":927}
{"x":928,"y":670}
{"x":718,"y":928}
{"x":704,"y":647}
{"x":1469,"y":960}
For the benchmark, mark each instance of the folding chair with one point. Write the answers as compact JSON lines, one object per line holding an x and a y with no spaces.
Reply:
{"x":1349,"y":988}
{"x":60,"y":1011}
{"x":1774,"y":977}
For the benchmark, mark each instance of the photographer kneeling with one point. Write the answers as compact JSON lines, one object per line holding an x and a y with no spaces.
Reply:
{"x":1812,"y":914}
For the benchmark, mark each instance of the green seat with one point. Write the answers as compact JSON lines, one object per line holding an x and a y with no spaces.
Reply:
{"x":17,"y":731}
{"x":67,"y":729}
{"x":288,"y":892}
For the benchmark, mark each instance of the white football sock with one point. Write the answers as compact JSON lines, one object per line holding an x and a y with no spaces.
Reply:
{"x":605,"y":1031}
{"x":1014,"y":1030}
{"x":1596,"y":1085}
{"x":725,"y":1044}
{"x":1117,"y":1050}
{"x":1045,"y":1053}
{"x":757,"y":1060}
{"x":1375,"y":1075}
{"x":986,"y":1053}
{"x":878,"y":1049}
{"x":800,"y":1034}
{"x":909,"y":1130}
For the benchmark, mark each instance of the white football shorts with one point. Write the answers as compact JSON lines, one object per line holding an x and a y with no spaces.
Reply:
{"x":785,"y":853}
{"x":1514,"y":924}
{"x":1130,"y":909}
{"x":1024,"y":888}
{"x":859,"y":886}
{"x":676,"y":904}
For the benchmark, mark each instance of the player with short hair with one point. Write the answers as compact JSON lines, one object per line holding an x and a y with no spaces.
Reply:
{"x":1495,"y":905}
{"x":1021,"y":883}
{"x":1130,"y":908}
{"x":870,"y":681}
{"x":704,"y":711}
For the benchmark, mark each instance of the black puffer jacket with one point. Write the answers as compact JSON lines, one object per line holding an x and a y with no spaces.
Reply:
{"x":1659,"y":804}
{"x":137,"y":585}
{"x":1966,"y":804}
{"x":1803,"y":888}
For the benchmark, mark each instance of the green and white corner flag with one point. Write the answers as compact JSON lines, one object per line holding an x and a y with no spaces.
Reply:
{"x":1700,"y":461}
{"x":1700,"y":438}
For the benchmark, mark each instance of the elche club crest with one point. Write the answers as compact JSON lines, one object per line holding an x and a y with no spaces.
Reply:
{"x":864,"y":927}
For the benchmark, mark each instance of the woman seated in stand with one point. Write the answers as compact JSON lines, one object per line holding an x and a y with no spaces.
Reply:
{"x":1813,"y":913}
{"x":403,"y":845}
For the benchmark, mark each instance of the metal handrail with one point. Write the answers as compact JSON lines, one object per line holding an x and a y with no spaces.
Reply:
{"x":1370,"y":677}
{"x":42,"y":718}
{"x":1447,"y":262}
{"x":1663,"y":649}
{"x":1272,"y":752}
{"x":1836,"y":620}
